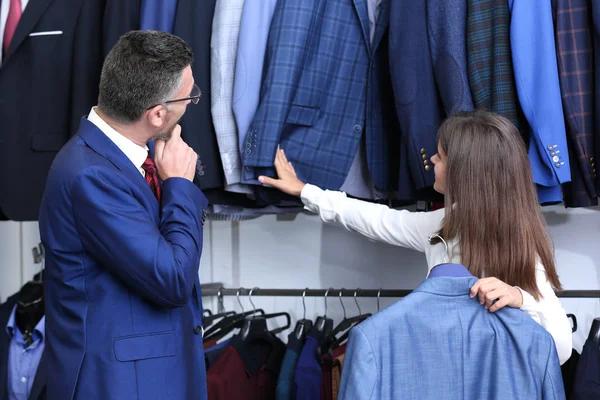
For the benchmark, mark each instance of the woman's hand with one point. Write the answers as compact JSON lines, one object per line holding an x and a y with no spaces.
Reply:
{"x":287,"y":182}
{"x":490,"y":289}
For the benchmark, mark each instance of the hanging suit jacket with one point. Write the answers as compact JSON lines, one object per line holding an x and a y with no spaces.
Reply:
{"x":576,"y":68}
{"x":320,"y":93}
{"x":249,"y":63}
{"x":595,"y":8}
{"x":438,"y":343}
{"x":120,"y":17}
{"x":158,"y":15}
{"x":38,"y":390}
{"x":427,"y":57}
{"x":123,"y":301}
{"x":47,"y":83}
{"x":538,"y":87}
{"x":193,"y":23}
{"x":490,"y":62}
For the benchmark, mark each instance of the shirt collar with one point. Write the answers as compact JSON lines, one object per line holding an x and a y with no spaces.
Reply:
{"x":11,"y":326}
{"x":136,"y":153}
{"x":449,"y":270}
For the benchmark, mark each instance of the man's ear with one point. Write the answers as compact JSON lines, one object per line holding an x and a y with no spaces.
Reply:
{"x":156,"y":115}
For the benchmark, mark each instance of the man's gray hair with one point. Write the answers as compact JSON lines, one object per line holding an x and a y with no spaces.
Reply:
{"x":144,"y":69}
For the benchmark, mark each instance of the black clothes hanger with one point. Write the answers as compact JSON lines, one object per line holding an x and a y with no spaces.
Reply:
{"x":331,"y":341}
{"x":30,"y":301}
{"x":574,"y":319}
{"x":594,"y":335}
{"x":229,"y":323}
{"x":322,"y":323}
{"x":255,"y":327}
{"x":210,"y":318}
{"x":303,"y":325}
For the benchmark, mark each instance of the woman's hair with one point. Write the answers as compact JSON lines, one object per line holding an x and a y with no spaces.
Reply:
{"x":491,"y":201}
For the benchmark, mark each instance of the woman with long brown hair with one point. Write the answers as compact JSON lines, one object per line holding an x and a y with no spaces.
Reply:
{"x":491,"y":222}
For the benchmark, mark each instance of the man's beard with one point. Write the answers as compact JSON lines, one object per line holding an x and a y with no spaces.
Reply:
{"x":166,"y":135}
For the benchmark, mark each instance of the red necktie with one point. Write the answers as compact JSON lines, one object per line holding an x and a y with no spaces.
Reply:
{"x":14,"y":15}
{"x":152,"y":176}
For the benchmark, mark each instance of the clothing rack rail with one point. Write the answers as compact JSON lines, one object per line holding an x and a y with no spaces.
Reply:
{"x":331,"y":292}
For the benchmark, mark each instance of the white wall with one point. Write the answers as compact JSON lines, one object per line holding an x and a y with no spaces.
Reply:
{"x":306,"y":253}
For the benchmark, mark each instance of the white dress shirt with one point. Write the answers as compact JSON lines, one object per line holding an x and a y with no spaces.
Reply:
{"x":136,"y":153}
{"x":413,"y":230}
{"x":3,"y":17}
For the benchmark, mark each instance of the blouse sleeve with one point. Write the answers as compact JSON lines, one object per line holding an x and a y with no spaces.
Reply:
{"x":375,"y":221}
{"x":549,"y":313}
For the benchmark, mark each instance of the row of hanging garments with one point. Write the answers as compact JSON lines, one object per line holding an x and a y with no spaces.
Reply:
{"x":436,"y":342}
{"x":255,"y":364}
{"x":318,"y":79}
{"x":352,"y":90}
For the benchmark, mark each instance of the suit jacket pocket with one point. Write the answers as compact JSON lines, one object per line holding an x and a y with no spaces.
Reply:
{"x":303,"y":115}
{"x":52,"y":142}
{"x":140,"y":347}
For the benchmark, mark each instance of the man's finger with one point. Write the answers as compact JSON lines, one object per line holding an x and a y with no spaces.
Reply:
{"x":159,"y":148}
{"x":176,"y":134}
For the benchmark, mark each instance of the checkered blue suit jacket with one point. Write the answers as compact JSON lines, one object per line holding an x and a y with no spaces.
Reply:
{"x":322,"y":91}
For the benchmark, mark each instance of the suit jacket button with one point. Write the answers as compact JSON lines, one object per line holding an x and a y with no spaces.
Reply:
{"x":427,"y":168}
{"x":422,"y":151}
{"x":198,"y":329}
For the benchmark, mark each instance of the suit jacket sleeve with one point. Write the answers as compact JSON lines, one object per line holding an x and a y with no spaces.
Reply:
{"x":360,"y":372}
{"x":538,"y":88}
{"x":161,"y":263}
{"x":375,"y":221}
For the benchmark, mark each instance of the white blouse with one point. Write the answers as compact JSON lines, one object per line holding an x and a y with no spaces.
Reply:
{"x":413,"y":230}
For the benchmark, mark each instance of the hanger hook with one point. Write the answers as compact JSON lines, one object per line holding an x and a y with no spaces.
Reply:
{"x":250,"y":298}
{"x":356,"y":301}
{"x":378,"y":295}
{"x":238,"y":298}
{"x":342,"y":303}
{"x":326,"y":293}
{"x":303,"y":303}
{"x":221,"y":306}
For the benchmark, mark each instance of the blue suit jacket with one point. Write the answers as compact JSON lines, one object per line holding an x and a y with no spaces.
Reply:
{"x":122,"y":293}
{"x":538,"y":87}
{"x":428,"y":66}
{"x":321,"y":93}
{"x":438,"y":343}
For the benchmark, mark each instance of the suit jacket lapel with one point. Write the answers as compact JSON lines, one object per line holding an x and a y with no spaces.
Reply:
{"x":102,"y":145}
{"x":363,"y":16}
{"x":40,"y":378}
{"x":32,"y":14}
{"x":5,"y":311}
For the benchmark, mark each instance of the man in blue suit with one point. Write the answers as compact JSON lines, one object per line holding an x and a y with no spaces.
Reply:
{"x":122,"y":224}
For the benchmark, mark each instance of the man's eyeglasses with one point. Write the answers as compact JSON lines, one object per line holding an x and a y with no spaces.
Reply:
{"x":194,"y":97}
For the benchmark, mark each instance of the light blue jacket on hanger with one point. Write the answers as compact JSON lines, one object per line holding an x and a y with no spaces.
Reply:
{"x":438,"y":343}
